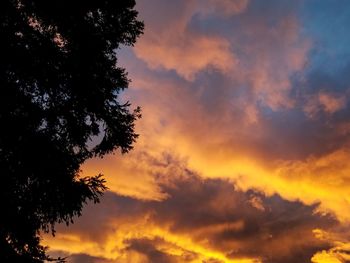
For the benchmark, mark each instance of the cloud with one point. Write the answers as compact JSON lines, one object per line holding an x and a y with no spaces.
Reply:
{"x":171,"y":45}
{"x":326,"y":102}
{"x":133,"y":176}
{"x":228,"y":7}
{"x":321,"y":178}
{"x":243,"y":147}
{"x":340,"y":251}
{"x":202,"y":219}
{"x":187,"y":55}
{"x":230,"y":45}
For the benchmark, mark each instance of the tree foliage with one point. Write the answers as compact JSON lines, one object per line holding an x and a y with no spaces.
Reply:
{"x":59,"y":84}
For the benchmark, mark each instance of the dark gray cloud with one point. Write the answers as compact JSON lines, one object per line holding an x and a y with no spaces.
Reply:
{"x":147,"y":247}
{"x":239,"y":224}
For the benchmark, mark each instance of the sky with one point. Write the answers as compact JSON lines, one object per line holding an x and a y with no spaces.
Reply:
{"x":243,"y":154}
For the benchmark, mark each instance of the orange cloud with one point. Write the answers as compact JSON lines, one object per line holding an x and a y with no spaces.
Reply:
{"x":327,"y":102}
{"x":279,"y":53}
{"x":339,"y":253}
{"x":186,"y":54}
{"x":132,"y":177}
{"x":229,"y":166}
{"x":201,"y":220}
{"x":171,"y":45}
{"x":265,"y":66}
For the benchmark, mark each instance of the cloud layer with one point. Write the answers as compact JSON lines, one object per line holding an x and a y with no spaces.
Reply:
{"x":200,"y":221}
{"x":243,"y":153}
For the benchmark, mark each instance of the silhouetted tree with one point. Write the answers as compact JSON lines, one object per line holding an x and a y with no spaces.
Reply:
{"x":58,"y":107}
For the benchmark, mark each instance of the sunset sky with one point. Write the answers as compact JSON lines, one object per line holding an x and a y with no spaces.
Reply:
{"x":243,"y":154}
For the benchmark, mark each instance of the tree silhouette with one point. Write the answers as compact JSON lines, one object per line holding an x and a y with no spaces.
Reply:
{"x":58,"y":107}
